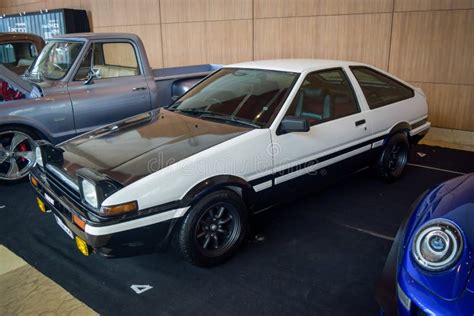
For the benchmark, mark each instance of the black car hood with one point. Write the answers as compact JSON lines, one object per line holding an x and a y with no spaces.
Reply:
{"x":132,"y":149}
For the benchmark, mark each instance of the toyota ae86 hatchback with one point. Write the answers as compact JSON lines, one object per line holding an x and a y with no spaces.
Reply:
{"x":192,"y":173}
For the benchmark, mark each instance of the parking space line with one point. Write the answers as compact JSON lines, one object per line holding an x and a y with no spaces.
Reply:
{"x":368,"y":232}
{"x":437,"y":169}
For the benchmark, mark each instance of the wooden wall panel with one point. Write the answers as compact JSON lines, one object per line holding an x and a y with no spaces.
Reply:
{"x":435,"y":46}
{"x":150,"y":35}
{"x":205,"y":10}
{"x":431,"y":42}
{"x":286,"y":8}
{"x":450,"y":106}
{"x":364,"y":38}
{"x":27,"y":7}
{"x":9,"y":3}
{"x":70,"y":4}
{"x":124,"y":12}
{"x":207,"y":42}
{"x":416,"y":5}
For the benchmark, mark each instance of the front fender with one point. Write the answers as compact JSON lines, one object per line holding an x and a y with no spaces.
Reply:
{"x":27,"y":123}
{"x":215,"y":183}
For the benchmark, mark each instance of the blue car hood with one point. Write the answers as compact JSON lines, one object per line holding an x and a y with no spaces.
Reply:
{"x":453,"y":201}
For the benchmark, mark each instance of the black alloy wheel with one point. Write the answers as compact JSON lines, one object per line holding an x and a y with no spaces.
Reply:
{"x":394,"y":158}
{"x":217,"y":229}
{"x":212,"y":229}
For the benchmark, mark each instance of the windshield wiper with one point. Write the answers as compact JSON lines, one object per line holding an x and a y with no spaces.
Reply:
{"x":193,"y":112}
{"x":203,"y":114}
{"x":228,"y":118}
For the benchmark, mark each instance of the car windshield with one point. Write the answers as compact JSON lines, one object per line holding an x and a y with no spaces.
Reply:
{"x":55,"y":60}
{"x":238,"y":96}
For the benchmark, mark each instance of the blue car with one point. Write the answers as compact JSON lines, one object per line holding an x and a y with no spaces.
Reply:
{"x":429,"y":270}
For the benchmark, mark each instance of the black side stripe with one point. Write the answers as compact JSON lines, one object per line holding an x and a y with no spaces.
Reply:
{"x":312,"y":162}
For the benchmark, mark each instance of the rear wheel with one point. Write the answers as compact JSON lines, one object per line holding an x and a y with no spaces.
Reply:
{"x":394,"y":158}
{"x":17,"y":153}
{"x":213,"y":229}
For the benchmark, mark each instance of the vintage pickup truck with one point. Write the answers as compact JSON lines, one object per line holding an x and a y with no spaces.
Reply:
{"x":80,"y":82}
{"x":19,"y":50}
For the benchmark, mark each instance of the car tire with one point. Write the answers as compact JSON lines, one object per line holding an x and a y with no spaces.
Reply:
{"x":394,"y":157}
{"x":25,"y":148}
{"x":213,"y":229}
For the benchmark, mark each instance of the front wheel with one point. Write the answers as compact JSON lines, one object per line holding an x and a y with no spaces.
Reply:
{"x":17,"y":154}
{"x":213,"y":229}
{"x":394,"y":158}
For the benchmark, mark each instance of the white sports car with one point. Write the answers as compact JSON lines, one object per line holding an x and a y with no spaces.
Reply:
{"x":193,"y":172}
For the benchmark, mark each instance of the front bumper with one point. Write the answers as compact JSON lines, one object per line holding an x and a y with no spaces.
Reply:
{"x":386,"y":288}
{"x":105,"y":239}
{"x":419,"y":301}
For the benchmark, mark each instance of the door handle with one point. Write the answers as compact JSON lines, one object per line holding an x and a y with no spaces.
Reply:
{"x":139,"y":88}
{"x":359,"y":122}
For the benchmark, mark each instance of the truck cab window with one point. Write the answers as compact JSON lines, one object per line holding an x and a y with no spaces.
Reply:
{"x":19,"y":54}
{"x":109,"y":60}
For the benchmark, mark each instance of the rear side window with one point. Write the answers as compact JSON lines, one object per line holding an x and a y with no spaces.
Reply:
{"x":378,"y":89}
{"x":7,"y":54}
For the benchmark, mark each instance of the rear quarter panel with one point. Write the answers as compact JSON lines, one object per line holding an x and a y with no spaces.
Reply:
{"x":410,"y":110}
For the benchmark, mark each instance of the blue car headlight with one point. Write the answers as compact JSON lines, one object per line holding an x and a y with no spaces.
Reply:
{"x":437,"y":246}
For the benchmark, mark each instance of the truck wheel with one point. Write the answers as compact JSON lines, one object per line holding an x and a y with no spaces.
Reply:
{"x":17,"y":153}
{"x":394,"y":158}
{"x":213,"y":229}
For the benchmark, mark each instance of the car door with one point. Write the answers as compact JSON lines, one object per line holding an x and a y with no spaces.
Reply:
{"x":338,"y":127}
{"x":117,"y":91}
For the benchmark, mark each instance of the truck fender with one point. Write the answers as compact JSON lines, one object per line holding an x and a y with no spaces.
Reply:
{"x":26,"y":123}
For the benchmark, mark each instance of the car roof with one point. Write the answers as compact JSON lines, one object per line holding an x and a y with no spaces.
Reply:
{"x":293,"y":65}
{"x":94,"y":36}
{"x":18,"y":36}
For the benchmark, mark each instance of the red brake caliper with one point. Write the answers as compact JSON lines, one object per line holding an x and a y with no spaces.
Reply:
{"x":21,"y":148}
{"x":8,"y":93}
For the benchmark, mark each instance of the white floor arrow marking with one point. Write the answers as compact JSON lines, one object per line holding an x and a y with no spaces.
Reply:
{"x":139,"y":289}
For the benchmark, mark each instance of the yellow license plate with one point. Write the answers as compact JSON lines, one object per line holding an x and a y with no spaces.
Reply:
{"x":82,"y":246}
{"x":41,"y":205}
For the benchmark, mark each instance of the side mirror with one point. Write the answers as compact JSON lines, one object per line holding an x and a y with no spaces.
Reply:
{"x":91,"y":75}
{"x":293,"y":124}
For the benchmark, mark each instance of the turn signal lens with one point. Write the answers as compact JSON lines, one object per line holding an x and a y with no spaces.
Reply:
{"x":78,"y":221}
{"x":41,"y":205}
{"x":82,"y":246}
{"x":120,"y":209}
{"x":34,"y":182}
